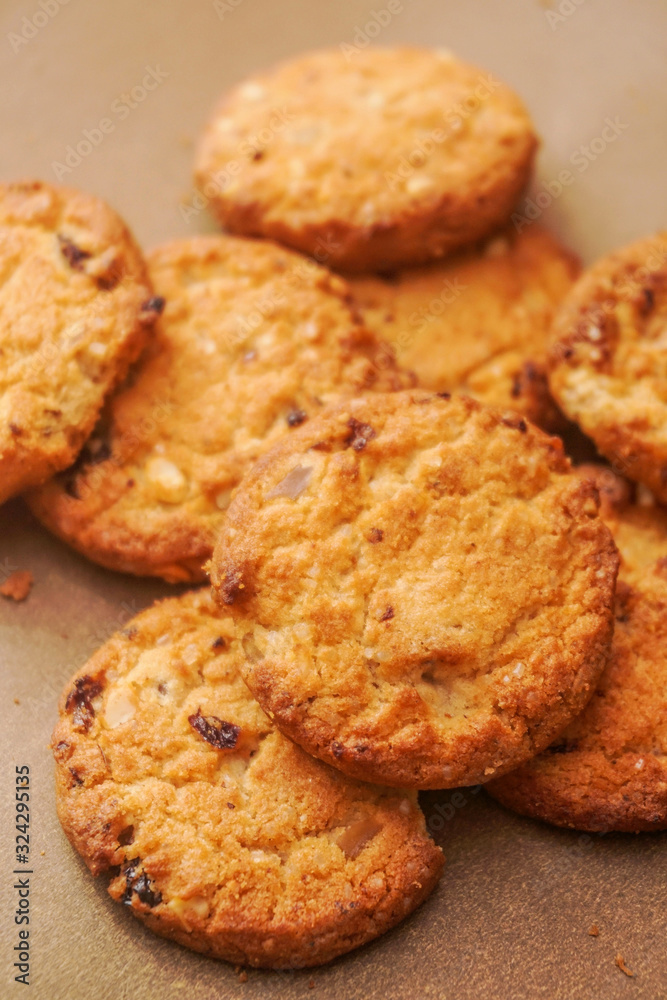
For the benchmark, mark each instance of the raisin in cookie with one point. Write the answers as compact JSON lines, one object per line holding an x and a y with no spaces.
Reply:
{"x":608,"y":770}
{"x":479,"y":322}
{"x":608,"y":363}
{"x":252,"y":341}
{"x":75,"y":305}
{"x":423,"y":589}
{"x":216,"y":830}
{"x":392,"y":157}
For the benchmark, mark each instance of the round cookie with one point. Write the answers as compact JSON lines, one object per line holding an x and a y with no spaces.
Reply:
{"x":478,"y":322}
{"x":608,"y":769}
{"x":388,"y":157}
{"x":423,"y":589}
{"x":608,"y":363}
{"x":216,"y":830}
{"x":252,"y":341}
{"x":75,"y":304}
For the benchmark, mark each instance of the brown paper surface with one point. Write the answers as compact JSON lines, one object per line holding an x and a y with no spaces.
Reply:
{"x":511,"y":916}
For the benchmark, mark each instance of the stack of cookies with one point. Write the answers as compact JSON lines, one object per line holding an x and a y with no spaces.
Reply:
{"x":341,"y":411}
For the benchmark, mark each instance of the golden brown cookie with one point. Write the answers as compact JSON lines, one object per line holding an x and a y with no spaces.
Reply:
{"x":478,"y":322}
{"x":216,"y":830}
{"x":608,"y":362}
{"x":423,"y":589}
{"x":392,"y":157}
{"x":75,"y":305}
{"x":608,"y":769}
{"x":253,"y":340}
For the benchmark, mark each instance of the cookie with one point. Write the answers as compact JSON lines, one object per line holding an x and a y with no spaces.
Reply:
{"x":423,"y":589}
{"x":608,"y":769}
{"x":75,"y":307}
{"x":252,"y":341}
{"x":608,"y":364}
{"x":478,"y":322}
{"x":393,"y":157}
{"x":217,"y":831}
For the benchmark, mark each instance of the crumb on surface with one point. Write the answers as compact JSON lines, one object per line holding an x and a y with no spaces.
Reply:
{"x":17,"y":586}
{"x":17,"y":701}
{"x":620,"y":962}
{"x":594,"y":930}
{"x":311,"y":984}
{"x":243,"y":976}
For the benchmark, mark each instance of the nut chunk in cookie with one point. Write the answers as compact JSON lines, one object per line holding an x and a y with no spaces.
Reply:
{"x":217,"y":831}
{"x":252,"y":341}
{"x":608,"y":770}
{"x":392,"y":157}
{"x":423,"y":588}
{"x":608,"y":360}
{"x":75,"y":310}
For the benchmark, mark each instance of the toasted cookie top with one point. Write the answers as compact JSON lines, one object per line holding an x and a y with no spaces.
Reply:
{"x":216,"y":830}
{"x":391,"y":156}
{"x":252,"y":341}
{"x":423,"y":589}
{"x":478,"y":322}
{"x":75,"y":305}
{"x":608,"y":769}
{"x":608,"y":360}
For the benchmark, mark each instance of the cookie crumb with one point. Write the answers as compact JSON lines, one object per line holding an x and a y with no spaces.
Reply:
{"x":17,"y":586}
{"x":620,"y":962}
{"x":594,"y":930}
{"x":311,"y":984}
{"x":243,"y":976}
{"x":16,"y":701}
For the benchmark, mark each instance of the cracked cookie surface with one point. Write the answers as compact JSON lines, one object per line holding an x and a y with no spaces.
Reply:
{"x":253,"y":340}
{"x":75,"y":307}
{"x":216,"y":830}
{"x":477,"y":323}
{"x":608,"y":363}
{"x":608,"y":769}
{"x":423,"y":589}
{"x":393,"y":156}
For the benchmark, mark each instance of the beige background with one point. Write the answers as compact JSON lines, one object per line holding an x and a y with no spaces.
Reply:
{"x":511,"y":916}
